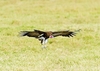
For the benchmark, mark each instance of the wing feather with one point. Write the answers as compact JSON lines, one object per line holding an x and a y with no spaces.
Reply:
{"x":35,"y":33}
{"x":63,"y":33}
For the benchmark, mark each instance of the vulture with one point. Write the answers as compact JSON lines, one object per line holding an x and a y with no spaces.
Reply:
{"x":43,"y":36}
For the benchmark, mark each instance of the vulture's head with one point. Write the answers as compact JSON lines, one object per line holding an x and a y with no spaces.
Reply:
{"x":49,"y":34}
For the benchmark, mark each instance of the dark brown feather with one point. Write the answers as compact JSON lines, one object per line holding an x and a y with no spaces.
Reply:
{"x":34,"y":33}
{"x":63,"y":33}
{"x":30,"y":34}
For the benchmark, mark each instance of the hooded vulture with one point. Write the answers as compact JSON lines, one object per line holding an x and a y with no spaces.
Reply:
{"x":43,"y":36}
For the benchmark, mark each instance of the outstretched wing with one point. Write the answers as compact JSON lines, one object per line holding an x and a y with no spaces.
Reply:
{"x":63,"y":33}
{"x":35,"y":33}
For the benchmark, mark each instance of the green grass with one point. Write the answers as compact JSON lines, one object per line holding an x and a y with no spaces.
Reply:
{"x":80,"y":53}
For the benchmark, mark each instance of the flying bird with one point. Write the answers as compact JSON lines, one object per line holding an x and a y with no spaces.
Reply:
{"x":43,"y":36}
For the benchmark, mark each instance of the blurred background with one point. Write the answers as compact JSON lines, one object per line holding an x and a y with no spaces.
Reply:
{"x":80,"y":53}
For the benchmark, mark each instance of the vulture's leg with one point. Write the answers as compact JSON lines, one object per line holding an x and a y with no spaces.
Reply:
{"x":43,"y":42}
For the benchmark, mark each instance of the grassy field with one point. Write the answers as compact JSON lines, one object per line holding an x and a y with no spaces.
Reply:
{"x":80,"y":53}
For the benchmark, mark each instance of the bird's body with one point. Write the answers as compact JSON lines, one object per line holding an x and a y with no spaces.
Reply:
{"x":43,"y":36}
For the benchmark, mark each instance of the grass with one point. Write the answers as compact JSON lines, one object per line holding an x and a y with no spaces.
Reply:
{"x":80,"y":53}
